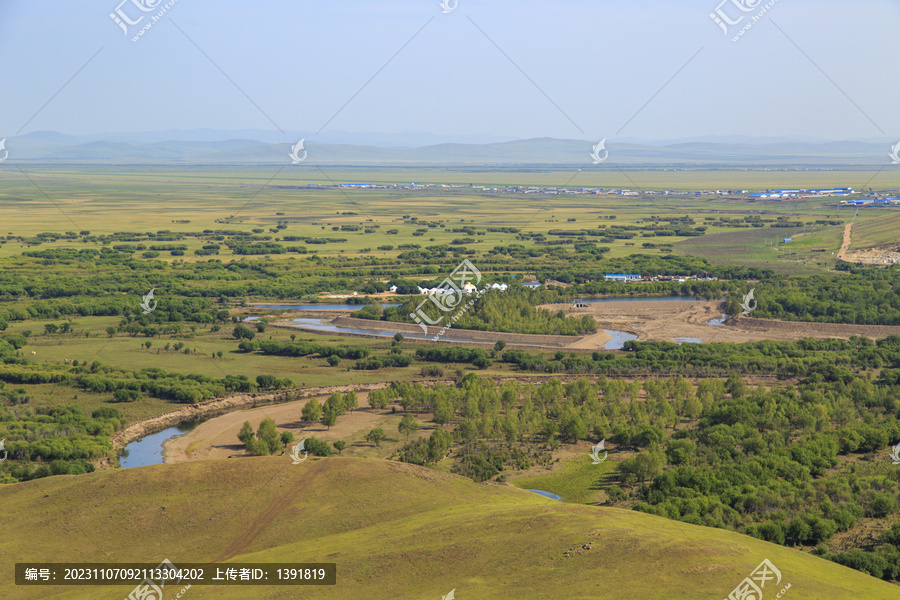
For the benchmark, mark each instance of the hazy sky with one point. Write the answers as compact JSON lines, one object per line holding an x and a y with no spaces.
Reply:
{"x":576,"y":69}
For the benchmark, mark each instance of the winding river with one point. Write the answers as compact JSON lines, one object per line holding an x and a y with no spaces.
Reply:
{"x":149,"y":450}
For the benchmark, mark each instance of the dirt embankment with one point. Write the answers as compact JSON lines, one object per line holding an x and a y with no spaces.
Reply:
{"x":477,"y":337}
{"x":802,"y":329}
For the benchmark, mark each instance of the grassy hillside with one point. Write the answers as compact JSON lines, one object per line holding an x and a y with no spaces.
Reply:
{"x":394,"y":530}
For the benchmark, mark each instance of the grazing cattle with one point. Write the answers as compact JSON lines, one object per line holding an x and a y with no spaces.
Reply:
{"x":33,"y":353}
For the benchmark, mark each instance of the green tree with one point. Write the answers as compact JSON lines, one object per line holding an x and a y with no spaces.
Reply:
{"x":376,"y":436}
{"x":379,"y":398}
{"x":573,"y":428}
{"x":438,"y":444}
{"x":646,"y":465}
{"x":329,"y":416}
{"x":443,"y":412}
{"x":339,"y":445}
{"x":351,"y":400}
{"x":242,"y":332}
{"x":882,"y":504}
{"x":268,"y":436}
{"x":336,"y":403}
{"x":312,"y":411}
{"x":286,"y":438}
{"x":736,"y":386}
{"x":693,"y":407}
{"x":408,"y":426}
{"x":246,"y":433}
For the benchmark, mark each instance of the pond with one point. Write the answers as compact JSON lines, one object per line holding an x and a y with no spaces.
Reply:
{"x":618,"y":339}
{"x":547,"y":494}
{"x":718,"y":322}
{"x":149,"y":450}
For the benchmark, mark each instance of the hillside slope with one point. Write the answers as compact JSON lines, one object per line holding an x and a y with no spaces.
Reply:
{"x":395,"y":531}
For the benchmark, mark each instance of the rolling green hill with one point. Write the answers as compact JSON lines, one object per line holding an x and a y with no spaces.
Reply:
{"x":394,"y":530}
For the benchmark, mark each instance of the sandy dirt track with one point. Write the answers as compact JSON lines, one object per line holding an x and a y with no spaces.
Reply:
{"x":846,"y":243}
{"x":217,"y":438}
{"x":227,"y":405}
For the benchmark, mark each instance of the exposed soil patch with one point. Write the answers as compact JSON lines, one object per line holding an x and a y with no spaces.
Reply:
{"x":687,"y":321}
{"x":219,"y":406}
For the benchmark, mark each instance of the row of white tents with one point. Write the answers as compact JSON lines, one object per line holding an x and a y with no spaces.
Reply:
{"x":468,"y":288}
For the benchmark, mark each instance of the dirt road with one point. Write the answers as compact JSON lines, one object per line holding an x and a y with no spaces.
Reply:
{"x":846,"y":244}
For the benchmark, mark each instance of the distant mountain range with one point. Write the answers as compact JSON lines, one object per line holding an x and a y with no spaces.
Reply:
{"x":257,"y":147}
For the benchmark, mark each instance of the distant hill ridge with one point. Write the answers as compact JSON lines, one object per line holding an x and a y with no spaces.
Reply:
{"x":215,"y":148}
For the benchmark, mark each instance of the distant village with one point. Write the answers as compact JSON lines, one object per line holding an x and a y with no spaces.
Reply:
{"x":778,"y":194}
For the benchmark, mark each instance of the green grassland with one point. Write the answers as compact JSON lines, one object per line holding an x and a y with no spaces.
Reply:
{"x":127,"y":352}
{"x":184,"y":200}
{"x":577,"y":481}
{"x":869,"y":232}
{"x":766,"y":248}
{"x":395,"y":531}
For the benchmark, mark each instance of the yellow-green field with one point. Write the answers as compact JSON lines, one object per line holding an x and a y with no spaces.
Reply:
{"x":395,"y":531}
{"x":192,"y":200}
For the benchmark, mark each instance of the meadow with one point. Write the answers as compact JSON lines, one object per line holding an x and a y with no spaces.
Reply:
{"x":81,"y":246}
{"x":394,"y":530}
{"x":185,"y":200}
